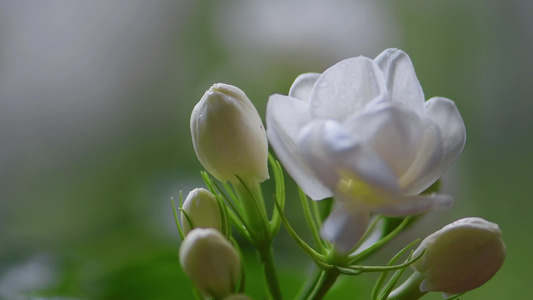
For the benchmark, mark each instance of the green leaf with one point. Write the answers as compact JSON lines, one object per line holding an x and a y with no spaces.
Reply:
{"x":182,"y":236}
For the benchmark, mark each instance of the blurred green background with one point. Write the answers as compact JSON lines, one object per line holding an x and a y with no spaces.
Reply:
{"x":95,"y":98}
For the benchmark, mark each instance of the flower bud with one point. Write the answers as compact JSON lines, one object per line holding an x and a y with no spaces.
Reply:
{"x":461,"y":256}
{"x":202,"y":209}
{"x":228,"y":135}
{"x":211,"y":262}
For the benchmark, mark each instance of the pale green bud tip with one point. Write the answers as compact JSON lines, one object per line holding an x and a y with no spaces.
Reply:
{"x":461,"y":256}
{"x":211,"y":262}
{"x":228,"y":135}
{"x":202,"y":210}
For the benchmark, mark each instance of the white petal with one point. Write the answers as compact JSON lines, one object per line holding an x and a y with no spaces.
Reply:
{"x":347,"y":87}
{"x":402,"y":83}
{"x":394,"y":133}
{"x":311,"y":145}
{"x":344,"y":227}
{"x":284,"y":118}
{"x":334,"y":154}
{"x":302,"y":86}
{"x":452,"y":128}
{"x":416,"y":179}
{"x":413,"y":205}
{"x":445,"y":115}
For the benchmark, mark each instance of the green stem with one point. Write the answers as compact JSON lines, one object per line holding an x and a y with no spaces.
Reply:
{"x":326,"y":281}
{"x":251,"y":201}
{"x":409,"y":290}
{"x":267,"y":259}
{"x":310,"y":284}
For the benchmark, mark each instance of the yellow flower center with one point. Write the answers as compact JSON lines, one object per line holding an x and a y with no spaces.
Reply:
{"x":351,"y":187}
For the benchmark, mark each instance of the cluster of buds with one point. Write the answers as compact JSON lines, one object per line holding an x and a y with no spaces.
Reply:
{"x":206,"y":256}
{"x":230,"y":142}
{"x":361,"y":133}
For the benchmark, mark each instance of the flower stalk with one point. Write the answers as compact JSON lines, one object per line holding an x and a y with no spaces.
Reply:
{"x":269,"y":269}
{"x":325,"y":282}
{"x":261,"y":236}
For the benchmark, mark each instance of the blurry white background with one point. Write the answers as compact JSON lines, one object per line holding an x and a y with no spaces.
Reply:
{"x":95,"y":98}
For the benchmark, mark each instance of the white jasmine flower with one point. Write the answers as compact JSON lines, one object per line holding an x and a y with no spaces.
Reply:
{"x":362,"y":131}
{"x":228,"y":136}
{"x":461,"y":256}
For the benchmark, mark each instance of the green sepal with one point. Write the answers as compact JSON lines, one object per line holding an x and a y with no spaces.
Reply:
{"x":275,"y":222}
{"x":392,"y":282}
{"x":224,"y":215}
{"x":208,"y":182}
{"x":353,"y":258}
{"x":253,"y":208}
{"x":242,"y":280}
{"x":368,"y":232}
{"x":391,"y":223}
{"x":318,"y":258}
{"x":312,"y":222}
{"x":187,"y":218}
{"x":176,"y":219}
{"x":355,"y":270}
{"x":235,"y":215}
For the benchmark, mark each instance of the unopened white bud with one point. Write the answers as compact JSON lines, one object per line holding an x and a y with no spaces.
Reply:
{"x":228,"y":135}
{"x":211,"y":262}
{"x":461,"y":256}
{"x":202,"y":210}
